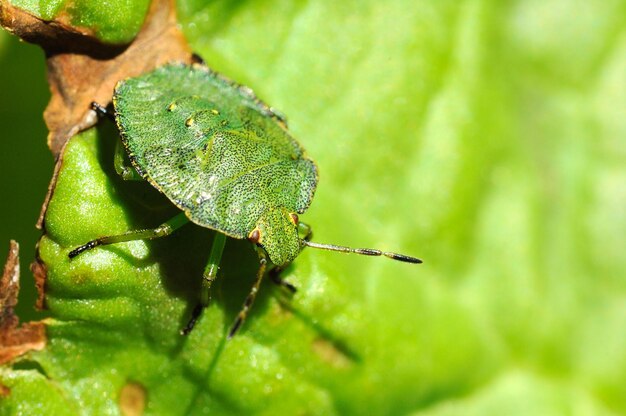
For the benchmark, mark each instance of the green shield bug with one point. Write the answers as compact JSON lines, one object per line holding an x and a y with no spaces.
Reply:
{"x":226,"y":160}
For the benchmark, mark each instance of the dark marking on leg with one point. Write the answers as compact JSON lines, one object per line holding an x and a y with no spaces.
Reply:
{"x":195,"y":314}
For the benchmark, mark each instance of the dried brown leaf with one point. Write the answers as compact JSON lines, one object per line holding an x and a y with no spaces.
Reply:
{"x":81,"y":69}
{"x":9,"y":288}
{"x":14,"y":340}
{"x":40,"y":273}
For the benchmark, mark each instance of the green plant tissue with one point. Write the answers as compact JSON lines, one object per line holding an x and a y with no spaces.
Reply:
{"x":487,"y":138}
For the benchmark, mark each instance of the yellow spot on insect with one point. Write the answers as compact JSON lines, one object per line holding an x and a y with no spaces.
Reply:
{"x":215,"y":112}
{"x":224,"y":122}
{"x":189,"y":122}
{"x":171,"y":107}
{"x":294,"y":218}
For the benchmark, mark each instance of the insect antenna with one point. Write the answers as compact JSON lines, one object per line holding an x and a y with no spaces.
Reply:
{"x":364,"y":251}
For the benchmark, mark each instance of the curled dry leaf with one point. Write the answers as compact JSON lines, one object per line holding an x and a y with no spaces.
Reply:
{"x":14,"y":340}
{"x":40,"y":272}
{"x":82,"y":69}
{"x":9,"y":288}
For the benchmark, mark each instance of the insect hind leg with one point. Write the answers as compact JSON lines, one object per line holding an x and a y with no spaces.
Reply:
{"x":162,"y":230}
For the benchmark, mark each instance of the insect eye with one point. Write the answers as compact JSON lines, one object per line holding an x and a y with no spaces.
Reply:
{"x":255,"y":236}
{"x":294,"y":218}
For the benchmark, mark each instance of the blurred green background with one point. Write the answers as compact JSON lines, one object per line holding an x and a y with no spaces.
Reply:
{"x":487,"y":137}
{"x":25,"y":161}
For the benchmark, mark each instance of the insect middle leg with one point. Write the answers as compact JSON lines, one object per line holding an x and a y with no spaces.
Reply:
{"x":209,"y":275}
{"x":162,"y":230}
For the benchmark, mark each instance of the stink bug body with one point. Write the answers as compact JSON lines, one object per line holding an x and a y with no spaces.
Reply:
{"x":226,"y":160}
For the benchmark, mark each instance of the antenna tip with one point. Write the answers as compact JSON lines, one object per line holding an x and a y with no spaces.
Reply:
{"x":404,"y":258}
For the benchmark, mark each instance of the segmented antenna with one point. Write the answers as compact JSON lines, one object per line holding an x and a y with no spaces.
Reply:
{"x":363,"y":251}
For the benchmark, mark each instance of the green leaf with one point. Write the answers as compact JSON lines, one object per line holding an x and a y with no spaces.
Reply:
{"x":113,"y":21}
{"x":485,"y":137}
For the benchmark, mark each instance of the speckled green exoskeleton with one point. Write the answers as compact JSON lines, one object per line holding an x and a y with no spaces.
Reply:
{"x":226,"y":160}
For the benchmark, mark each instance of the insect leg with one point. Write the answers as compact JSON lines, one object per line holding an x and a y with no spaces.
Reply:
{"x":197,"y":59}
{"x":251,"y":296}
{"x":102,"y":111}
{"x":209,"y":275}
{"x":161,"y":231}
{"x":127,"y":173}
{"x":306,"y":230}
{"x":274,"y":275}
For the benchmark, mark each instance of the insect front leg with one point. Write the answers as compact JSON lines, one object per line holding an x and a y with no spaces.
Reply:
{"x":102,"y":111}
{"x":241,"y":317}
{"x":126,"y":172}
{"x":197,"y":59}
{"x":209,"y":275}
{"x":274,"y":275}
{"x":305,"y":230}
{"x":122,"y":168}
{"x":162,"y":230}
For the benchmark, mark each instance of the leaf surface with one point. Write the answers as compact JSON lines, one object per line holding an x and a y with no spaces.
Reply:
{"x":486,"y":138}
